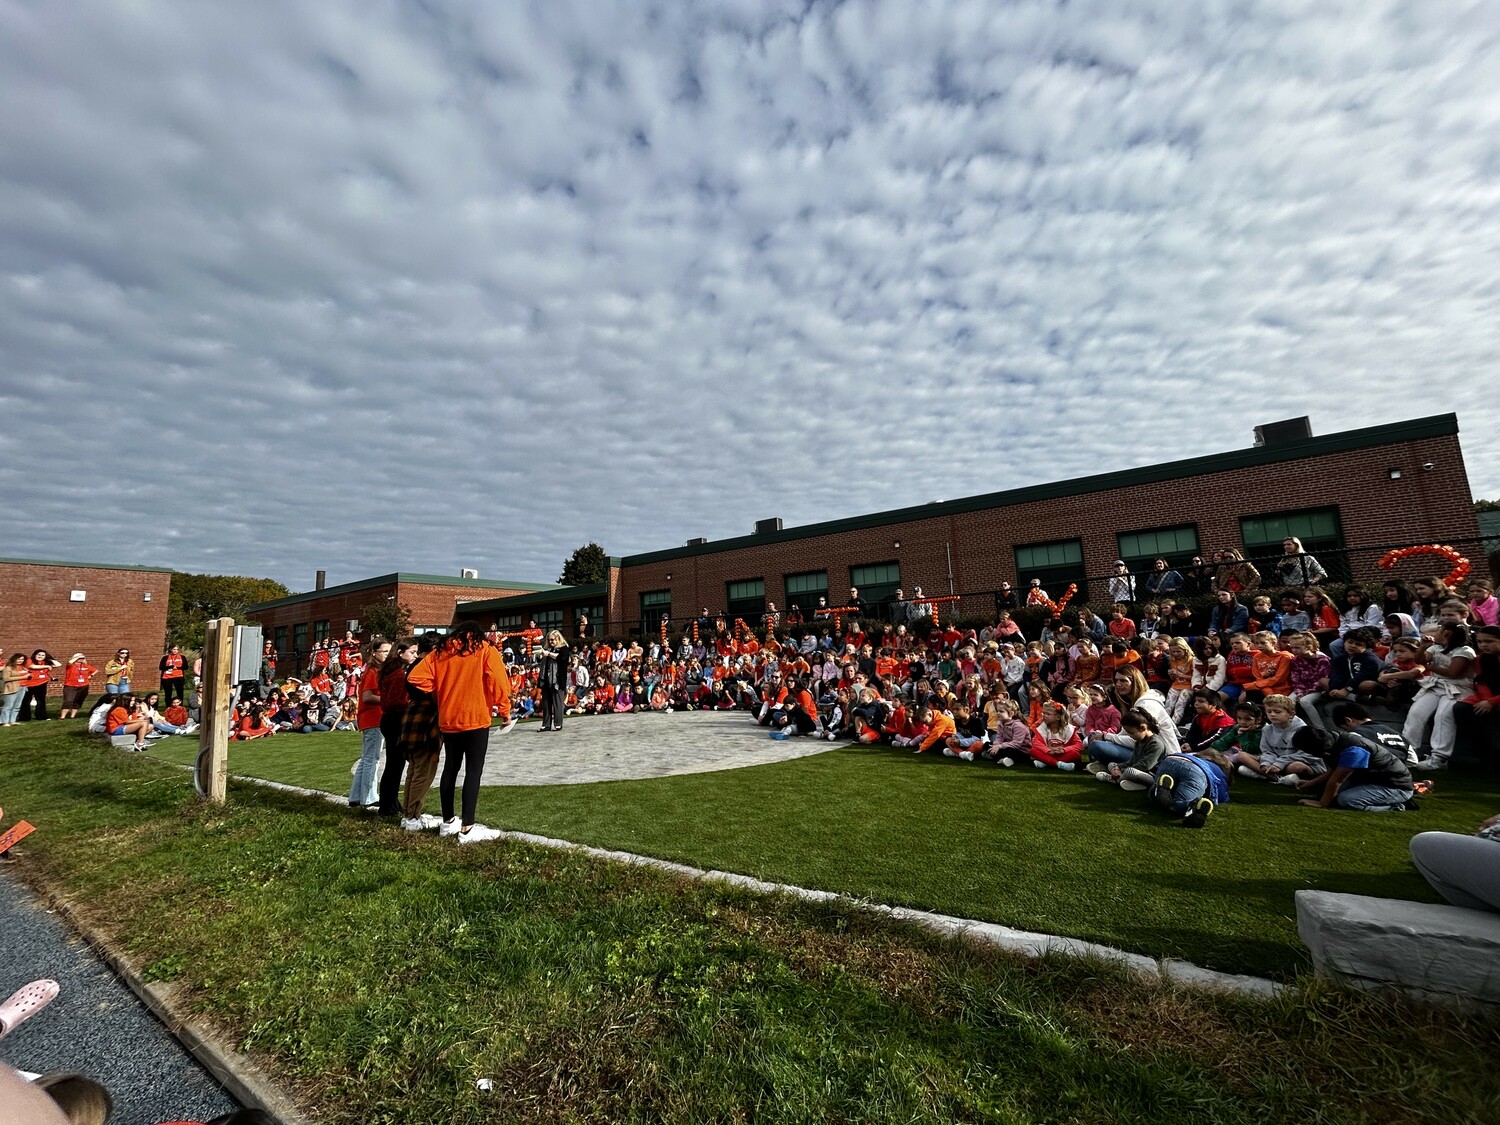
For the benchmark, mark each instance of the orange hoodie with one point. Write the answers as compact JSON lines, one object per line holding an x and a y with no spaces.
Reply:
{"x":466,"y":685}
{"x":942,"y":727}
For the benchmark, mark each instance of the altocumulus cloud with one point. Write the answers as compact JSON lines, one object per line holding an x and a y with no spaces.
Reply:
{"x":427,"y":285}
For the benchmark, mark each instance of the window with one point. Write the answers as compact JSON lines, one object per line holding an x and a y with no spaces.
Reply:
{"x":876,"y":582}
{"x":440,"y":630}
{"x":549,"y":619}
{"x":746,"y":599}
{"x":299,"y":642}
{"x":510,"y":623}
{"x":596,"y":620}
{"x":804,"y":590}
{"x":1318,"y":528}
{"x":1056,"y":564}
{"x":654,"y":603}
{"x":320,"y":630}
{"x":280,"y":640}
{"x":1140,"y":549}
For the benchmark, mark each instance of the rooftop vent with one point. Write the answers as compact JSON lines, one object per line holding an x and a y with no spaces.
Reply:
{"x":467,"y":573}
{"x":698,"y":542}
{"x":762,"y":527}
{"x":1277,"y":433}
{"x":320,"y":580}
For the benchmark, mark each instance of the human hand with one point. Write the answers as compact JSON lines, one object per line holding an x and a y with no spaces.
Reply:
{"x":1483,"y":707}
{"x":1311,"y":804}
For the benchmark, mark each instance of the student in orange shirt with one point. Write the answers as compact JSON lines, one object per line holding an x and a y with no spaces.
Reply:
{"x":942,"y":725}
{"x":123,"y":720}
{"x":76,"y":679}
{"x":467,"y":676}
{"x":1272,"y":668}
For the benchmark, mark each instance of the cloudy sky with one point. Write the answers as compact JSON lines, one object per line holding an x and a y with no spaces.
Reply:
{"x":366,"y":286}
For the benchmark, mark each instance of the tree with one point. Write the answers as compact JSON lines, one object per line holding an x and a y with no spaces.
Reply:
{"x":1487,"y":505}
{"x":589,"y":565}
{"x":388,"y":619}
{"x":195,"y":599}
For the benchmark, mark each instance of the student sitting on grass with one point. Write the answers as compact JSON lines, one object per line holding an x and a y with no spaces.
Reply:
{"x":124,"y":719}
{"x":801,"y":716}
{"x":942,"y":725}
{"x":917,"y":728}
{"x":1055,"y":742}
{"x":969,"y":735}
{"x":1135,"y":771}
{"x":1191,"y":786}
{"x":1210,"y":720}
{"x":1244,"y":736}
{"x":1102,"y":717}
{"x":1360,"y":775}
{"x":1355,"y":671}
{"x":1011,"y":738}
{"x":252,"y":724}
{"x":1278,"y":760}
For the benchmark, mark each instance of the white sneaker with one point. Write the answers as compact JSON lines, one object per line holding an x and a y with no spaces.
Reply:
{"x":479,"y":834}
{"x":1069,"y":767}
{"x":669,"y":710}
{"x":1038,"y":765}
{"x":1286,"y":779}
{"x":1246,"y":771}
{"x":1102,"y":775}
{"x":421,"y":823}
{"x":449,"y":827}
{"x":1007,"y":762}
{"x":949,"y":752}
{"x":1132,"y":786}
{"x":967,"y":755}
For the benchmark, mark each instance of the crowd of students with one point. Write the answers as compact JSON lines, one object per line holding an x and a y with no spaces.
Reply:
{"x":25,"y":682}
{"x":1279,"y":686}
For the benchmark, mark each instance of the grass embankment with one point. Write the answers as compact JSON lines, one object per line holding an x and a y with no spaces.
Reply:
{"x":1049,"y":852}
{"x":382,"y":973}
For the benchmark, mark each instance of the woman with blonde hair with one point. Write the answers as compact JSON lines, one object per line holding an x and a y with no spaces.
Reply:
{"x":553,"y":679}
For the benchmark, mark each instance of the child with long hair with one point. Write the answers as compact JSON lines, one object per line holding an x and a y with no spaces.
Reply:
{"x":1475,"y":714}
{"x":1138,"y":771}
{"x":1179,"y":677}
{"x":467,"y":677}
{"x":1055,"y":741}
{"x":1449,"y":662}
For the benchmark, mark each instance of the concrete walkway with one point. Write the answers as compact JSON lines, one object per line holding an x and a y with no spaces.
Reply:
{"x":628,"y":747}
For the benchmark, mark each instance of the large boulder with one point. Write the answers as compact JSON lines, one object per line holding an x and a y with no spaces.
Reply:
{"x":1443,"y":954}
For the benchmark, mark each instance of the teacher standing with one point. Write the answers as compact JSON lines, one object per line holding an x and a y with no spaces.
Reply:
{"x":554,"y":679}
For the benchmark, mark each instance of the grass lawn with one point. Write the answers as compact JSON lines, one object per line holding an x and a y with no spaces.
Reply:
{"x":1040,"y":851}
{"x":381,"y":973}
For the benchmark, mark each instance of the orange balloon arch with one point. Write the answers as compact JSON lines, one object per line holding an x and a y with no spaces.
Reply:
{"x":1461,"y":565}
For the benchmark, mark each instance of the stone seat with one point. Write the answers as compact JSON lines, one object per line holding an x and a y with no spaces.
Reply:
{"x":1441,"y":954}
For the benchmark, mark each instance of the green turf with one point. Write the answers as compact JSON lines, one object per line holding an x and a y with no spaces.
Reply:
{"x":1051,"y":852}
{"x":379,"y":974}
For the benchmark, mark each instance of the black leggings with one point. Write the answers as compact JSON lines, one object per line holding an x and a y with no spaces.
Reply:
{"x":466,"y":749}
{"x":171,"y":687}
{"x":395,"y":762}
{"x":34,"y":704}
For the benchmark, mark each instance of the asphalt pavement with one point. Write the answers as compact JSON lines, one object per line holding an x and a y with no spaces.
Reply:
{"x":96,"y":1026}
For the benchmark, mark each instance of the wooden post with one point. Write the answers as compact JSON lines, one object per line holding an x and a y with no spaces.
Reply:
{"x":218,"y":688}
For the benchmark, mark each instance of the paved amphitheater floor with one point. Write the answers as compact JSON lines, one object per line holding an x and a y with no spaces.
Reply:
{"x":634,"y":746}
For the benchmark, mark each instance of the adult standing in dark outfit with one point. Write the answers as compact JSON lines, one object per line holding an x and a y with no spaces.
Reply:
{"x":554,"y":679}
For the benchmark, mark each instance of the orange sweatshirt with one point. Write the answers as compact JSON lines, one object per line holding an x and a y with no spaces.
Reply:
{"x":942,"y":727}
{"x":466,"y":686}
{"x":1273,"y":673}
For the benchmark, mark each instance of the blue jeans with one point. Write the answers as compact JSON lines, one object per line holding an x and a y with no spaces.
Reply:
{"x":364,"y":790}
{"x":10,"y":706}
{"x":1372,"y":798}
{"x":1111,"y":753}
{"x":167,"y":728}
{"x":1188,"y":782}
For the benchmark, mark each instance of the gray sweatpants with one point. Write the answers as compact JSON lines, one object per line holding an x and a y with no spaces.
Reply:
{"x":1465,"y":870}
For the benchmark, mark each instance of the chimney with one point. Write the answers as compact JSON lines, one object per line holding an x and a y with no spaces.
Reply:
{"x":321,"y":580}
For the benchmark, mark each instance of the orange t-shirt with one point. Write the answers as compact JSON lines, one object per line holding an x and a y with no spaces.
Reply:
{"x":118,"y":717}
{"x":370,"y":713}
{"x":467,"y":686}
{"x":78,"y":674}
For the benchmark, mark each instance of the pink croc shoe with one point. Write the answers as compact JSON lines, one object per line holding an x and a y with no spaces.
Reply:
{"x":24,"y":1003}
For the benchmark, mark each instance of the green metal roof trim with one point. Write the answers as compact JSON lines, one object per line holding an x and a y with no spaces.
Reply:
{"x":562,"y":595}
{"x":1437,"y":425}
{"x":89,"y":565}
{"x":402,"y":576}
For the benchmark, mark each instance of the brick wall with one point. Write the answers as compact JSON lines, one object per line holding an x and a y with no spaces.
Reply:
{"x":1423,"y":506}
{"x":429,"y":605}
{"x":36,"y":612}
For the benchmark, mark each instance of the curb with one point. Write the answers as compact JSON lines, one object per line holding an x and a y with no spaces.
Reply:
{"x":1023,"y":942}
{"x":245,"y":1081}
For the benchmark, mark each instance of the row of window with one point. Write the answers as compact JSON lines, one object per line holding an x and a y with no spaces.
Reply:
{"x":1055,"y":563}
